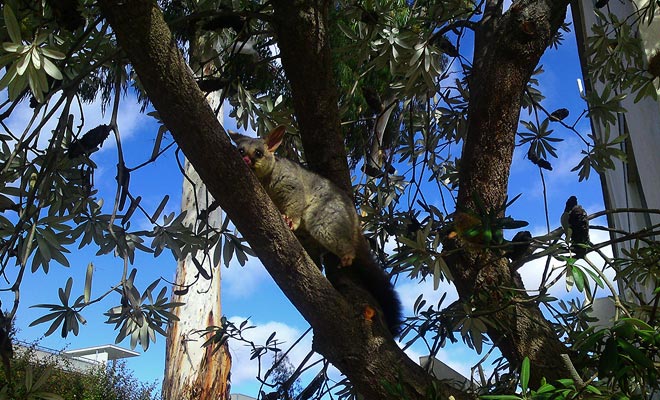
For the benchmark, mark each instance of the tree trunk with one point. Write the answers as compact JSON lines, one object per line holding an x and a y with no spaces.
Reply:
{"x":301,"y":28}
{"x":191,"y":371}
{"x":508,"y":47}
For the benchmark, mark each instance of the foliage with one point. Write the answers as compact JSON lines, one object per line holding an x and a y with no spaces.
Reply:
{"x":58,"y":377}
{"x":404,"y":91}
{"x":563,"y":389}
{"x":283,"y":376}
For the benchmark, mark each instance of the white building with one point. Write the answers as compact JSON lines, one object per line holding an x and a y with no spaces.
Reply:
{"x":101,"y":354}
{"x":635,"y":184}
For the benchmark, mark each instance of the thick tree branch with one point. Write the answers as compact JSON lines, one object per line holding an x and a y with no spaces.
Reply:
{"x":358,"y":347}
{"x":143,"y":34}
{"x":303,"y":41}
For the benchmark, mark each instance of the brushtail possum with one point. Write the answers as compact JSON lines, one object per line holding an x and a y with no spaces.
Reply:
{"x":321,"y":215}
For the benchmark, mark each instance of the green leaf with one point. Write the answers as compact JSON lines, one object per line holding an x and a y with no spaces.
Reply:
{"x":437,"y":274}
{"x":6,"y":59}
{"x":579,"y":278}
{"x":66,"y":294}
{"x":595,"y":277}
{"x":9,"y":77}
{"x":29,"y":375}
{"x":227,"y":252}
{"x":13,"y":28}
{"x":17,"y":85}
{"x":43,"y":247}
{"x":570,"y":279}
{"x":58,"y":256}
{"x":14,"y":48}
{"x":52,"y":70}
{"x":87,"y":292}
{"x":524,"y":374}
{"x":45,"y":318}
{"x":160,"y":209}
{"x":34,"y":81}
{"x":52,"y":53}
{"x":42,"y":379}
{"x":47,"y":396}
{"x":638,"y":324}
{"x":56,"y":323}
{"x":23,"y":63}
{"x":635,"y":354}
{"x":546,"y":388}
{"x":200,"y":267}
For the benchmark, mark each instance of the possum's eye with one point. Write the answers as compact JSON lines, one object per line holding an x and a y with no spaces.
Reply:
{"x":242,"y":151}
{"x":258,"y":153}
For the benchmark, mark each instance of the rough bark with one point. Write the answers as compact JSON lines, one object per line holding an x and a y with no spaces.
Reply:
{"x":508,"y":47}
{"x":359,"y":348}
{"x":302,"y":35}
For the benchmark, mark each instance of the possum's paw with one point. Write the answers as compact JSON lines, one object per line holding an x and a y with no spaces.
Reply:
{"x":289,"y":222}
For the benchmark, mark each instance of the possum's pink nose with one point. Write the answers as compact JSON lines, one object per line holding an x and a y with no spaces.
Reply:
{"x":247,"y":160}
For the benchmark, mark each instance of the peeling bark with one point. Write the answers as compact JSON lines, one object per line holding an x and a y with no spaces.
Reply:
{"x":191,"y":371}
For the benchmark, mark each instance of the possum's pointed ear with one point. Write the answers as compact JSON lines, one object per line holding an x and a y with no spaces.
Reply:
{"x":235,"y":136}
{"x":274,"y":138}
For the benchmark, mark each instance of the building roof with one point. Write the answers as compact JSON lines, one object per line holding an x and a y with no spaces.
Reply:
{"x":114,"y":352}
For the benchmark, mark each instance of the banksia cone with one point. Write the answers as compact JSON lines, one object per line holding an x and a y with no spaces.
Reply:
{"x":654,"y":64}
{"x":579,"y":223}
{"x":519,"y":245}
{"x":89,"y":142}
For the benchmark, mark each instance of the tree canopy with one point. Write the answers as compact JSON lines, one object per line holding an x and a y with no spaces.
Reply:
{"x":420,"y":102}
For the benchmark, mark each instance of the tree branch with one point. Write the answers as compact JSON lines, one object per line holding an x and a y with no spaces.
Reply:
{"x":355,"y":345}
{"x":508,"y":47}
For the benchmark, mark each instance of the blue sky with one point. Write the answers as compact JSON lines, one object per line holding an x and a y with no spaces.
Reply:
{"x":248,"y":292}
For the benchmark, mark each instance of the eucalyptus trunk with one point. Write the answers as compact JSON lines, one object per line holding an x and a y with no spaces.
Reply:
{"x":191,"y":371}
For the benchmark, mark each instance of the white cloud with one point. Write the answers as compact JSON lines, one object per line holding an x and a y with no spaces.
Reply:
{"x":242,"y":282}
{"x":245,"y":370}
{"x":569,"y":153}
{"x":532,"y":272}
{"x":129,"y":119}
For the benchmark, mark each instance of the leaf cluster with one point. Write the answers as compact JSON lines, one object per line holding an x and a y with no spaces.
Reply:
{"x":627,"y":356}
